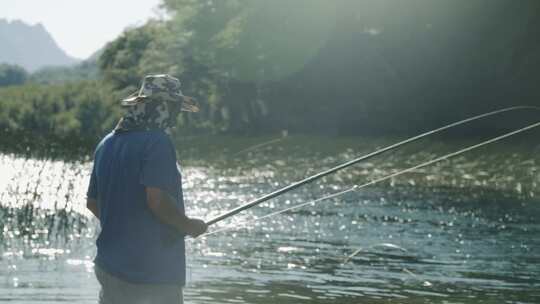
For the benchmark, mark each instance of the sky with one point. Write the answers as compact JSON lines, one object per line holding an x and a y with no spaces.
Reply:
{"x":81,"y":27}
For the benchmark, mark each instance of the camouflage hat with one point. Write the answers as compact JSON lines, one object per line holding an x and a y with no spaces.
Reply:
{"x":161,"y":88}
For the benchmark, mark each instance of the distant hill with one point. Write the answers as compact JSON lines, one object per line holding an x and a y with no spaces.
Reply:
{"x":95,"y":56}
{"x":30,"y":46}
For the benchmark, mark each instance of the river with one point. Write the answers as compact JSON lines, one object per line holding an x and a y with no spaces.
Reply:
{"x":463,"y":231}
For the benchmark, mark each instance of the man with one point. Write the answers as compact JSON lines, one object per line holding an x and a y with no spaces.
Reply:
{"x":135,"y":191}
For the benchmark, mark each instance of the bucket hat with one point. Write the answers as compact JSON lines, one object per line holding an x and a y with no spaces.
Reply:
{"x":161,"y":88}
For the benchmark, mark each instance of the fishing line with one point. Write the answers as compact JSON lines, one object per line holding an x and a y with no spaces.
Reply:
{"x":378,"y":180}
{"x":244,"y":224}
{"x":357,"y":160}
{"x":284,"y":135}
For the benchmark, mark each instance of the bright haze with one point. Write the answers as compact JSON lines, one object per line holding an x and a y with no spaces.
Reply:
{"x":81,"y":27}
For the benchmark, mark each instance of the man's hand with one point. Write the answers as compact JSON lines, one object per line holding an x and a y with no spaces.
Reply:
{"x":196,"y":227}
{"x":165,"y":209}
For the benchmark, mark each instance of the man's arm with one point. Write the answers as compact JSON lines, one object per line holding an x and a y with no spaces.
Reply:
{"x":166,"y":211}
{"x":91,"y":204}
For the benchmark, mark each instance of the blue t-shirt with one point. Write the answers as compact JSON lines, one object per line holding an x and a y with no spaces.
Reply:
{"x":133,"y":244}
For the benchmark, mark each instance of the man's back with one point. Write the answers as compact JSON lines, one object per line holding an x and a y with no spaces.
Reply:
{"x":133,"y":244}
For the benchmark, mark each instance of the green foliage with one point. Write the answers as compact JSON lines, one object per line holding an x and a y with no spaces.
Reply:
{"x":71,"y":116}
{"x":252,"y":40}
{"x":121,"y":59}
{"x":87,"y":70}
{"x":343,"y":66}
{"x":12,"y":75}
{"x":337,"y":67}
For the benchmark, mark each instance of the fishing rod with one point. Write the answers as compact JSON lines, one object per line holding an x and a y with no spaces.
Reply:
{"x":381,"y":179}
{"x":357,"y":160}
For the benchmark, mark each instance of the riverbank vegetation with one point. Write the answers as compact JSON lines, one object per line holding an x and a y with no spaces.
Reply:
{"x":310,"y":66}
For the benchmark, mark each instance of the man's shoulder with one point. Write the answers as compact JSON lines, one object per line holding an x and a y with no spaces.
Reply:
{"x":142,"y":139}
{"x":147,"y":135}
{"x":102,"y":142}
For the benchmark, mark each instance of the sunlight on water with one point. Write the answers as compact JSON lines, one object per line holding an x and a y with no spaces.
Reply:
{"x":457,"y":232}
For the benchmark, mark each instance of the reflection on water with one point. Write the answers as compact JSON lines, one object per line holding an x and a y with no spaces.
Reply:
{"x":465,"y":231}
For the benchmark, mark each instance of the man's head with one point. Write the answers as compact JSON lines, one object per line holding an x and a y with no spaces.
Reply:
{"x":155,"y":105}
{"x":161,"y":88}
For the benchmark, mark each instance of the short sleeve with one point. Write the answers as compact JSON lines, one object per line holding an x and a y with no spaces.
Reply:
{"x":159,"y":165}
{"x":92,"y":186}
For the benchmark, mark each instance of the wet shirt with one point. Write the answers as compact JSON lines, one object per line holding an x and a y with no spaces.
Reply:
{"x":133,"y":245}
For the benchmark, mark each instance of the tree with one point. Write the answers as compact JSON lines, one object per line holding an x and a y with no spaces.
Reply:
{"x":121,"y":59}
{"x":344,"y":66}
{"x":12,"y":75}
{"x":86,"y":70}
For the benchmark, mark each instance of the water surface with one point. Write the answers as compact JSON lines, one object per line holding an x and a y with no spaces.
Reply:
{"x":464,"y":231}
